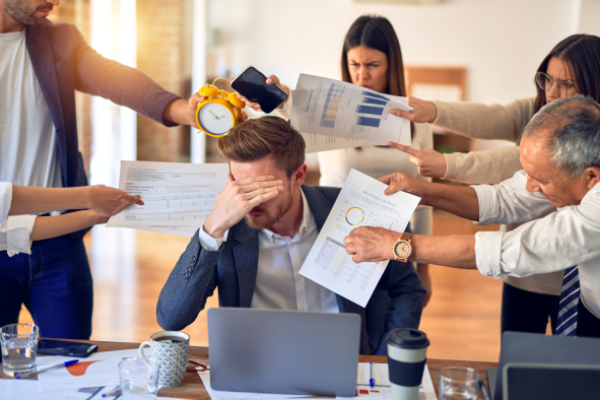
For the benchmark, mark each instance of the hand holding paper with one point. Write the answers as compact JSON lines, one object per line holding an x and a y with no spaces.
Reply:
{"x":360,"y":203}
{"x":372,"y":244}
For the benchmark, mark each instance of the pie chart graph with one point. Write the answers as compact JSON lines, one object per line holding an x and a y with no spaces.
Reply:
{"x":355,"y":216}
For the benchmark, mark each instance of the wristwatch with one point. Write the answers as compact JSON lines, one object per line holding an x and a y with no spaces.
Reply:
{"x":403,"y":248}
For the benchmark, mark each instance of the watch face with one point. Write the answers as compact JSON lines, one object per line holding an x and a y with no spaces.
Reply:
{"x":215,"y":118}
{"x":402,"y":249}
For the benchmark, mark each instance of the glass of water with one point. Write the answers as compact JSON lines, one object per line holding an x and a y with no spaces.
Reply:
{"x":19,"y":348}
{"x":458,"y":383}
{"x":138,"y":381}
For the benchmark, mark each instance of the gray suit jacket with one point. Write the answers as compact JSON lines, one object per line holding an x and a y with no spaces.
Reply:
{"x":397,"y":302}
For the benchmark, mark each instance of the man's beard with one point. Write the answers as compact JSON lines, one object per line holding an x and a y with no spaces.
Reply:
{"x":271,"y":220}
{"x":24,"y":13}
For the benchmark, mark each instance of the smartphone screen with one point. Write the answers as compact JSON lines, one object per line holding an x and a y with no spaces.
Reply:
{"x":63,"y":348}
{"x":252,"y":84}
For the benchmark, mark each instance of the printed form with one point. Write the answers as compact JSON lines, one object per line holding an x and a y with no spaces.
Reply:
{"x":330,"y":107}
{"x":178,"y":196}
{"x":361,"y":202}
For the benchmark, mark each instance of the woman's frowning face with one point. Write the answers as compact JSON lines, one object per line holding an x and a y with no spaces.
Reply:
{"x":368,"y":68}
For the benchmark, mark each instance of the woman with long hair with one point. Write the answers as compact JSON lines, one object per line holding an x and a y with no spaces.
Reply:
{"x":572,"y":67}
{"x":371,"y":57}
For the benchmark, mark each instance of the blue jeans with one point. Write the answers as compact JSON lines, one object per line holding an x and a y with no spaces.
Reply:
{"x":54,"y":283}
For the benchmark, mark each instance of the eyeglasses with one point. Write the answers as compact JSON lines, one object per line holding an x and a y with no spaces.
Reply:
{"x":545,"y":82}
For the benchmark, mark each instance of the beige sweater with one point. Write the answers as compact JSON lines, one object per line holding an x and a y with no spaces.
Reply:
{"x":492,"y":166}
{"x":481,"y":121}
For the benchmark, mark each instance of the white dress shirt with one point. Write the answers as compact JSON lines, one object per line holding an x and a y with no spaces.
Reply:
{"x":279,"y":284}
{"x":15,"y":231}
{"x":566,"y":237}
{"x":28,"y":142}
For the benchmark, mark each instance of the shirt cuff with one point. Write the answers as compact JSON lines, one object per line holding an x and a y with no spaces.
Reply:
{"x":17,"y":231}
{"x":210,"y":243}
{"x":5,"y":200}
{"x":487,"y":202}
{"x":488,"y":250}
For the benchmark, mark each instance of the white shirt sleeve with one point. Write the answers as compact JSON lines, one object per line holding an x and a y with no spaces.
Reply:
{"x":210,"y":243}
{"x":510,"y":202}
{"x":15,"y":234}
{"x":567,"y":237}
{"x":5,"y":200}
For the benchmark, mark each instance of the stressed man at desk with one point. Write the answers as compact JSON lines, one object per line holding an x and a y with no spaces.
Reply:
{"x":263,"y":226}
{"x":560,"y":154}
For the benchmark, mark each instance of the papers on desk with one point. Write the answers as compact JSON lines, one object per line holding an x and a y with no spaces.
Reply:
{"x":98,"y":370}
{"x":382,"y":383}
{"x":224,"y":395}
{"x":330,"y":107}
{"x":178,"y":196}
{"x":361,"y":202}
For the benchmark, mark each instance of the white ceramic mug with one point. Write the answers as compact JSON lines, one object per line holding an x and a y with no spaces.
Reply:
{"x":170,"y":355}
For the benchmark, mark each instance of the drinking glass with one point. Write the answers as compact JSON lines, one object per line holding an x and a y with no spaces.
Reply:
{"x":458,"y":383}
{"x":138,"y":380}
{"x":19,"y":348}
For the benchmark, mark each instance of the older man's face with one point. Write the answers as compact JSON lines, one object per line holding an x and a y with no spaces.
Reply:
{"x":543,"y":177}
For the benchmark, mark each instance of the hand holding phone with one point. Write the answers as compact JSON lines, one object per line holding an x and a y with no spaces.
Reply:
{"x":258,"y":89}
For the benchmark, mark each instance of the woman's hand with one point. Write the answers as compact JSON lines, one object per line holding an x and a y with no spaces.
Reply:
{"x":429,"y":162}
{"x":271,"y":80}
{"x":107,"y":201}
{"x":423,"y":111}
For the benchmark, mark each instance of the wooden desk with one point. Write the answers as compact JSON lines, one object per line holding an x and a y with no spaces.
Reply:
{"x":193,"y":389}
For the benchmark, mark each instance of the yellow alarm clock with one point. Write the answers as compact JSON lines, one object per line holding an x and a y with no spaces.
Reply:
{"x":219,"y":112}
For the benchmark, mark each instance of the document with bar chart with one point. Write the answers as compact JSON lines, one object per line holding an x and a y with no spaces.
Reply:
{"x":178,"y":196}
{"x":361,"y":202}
{"x":329,"y":107}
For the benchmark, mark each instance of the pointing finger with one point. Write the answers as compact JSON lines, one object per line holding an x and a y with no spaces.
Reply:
{"x":403,"y":148}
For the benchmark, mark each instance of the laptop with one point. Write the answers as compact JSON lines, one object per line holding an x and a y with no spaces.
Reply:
{"x":527,"y":381}
{"x":284,"y":352}
{"x":534,"y":348}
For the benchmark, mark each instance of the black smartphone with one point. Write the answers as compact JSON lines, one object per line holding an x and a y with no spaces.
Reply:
{"x":64,"y":348}
{"x":252,"y":85}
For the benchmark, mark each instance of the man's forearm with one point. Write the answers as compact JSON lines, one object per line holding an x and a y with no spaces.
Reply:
{"x":50,"y":227}
{"x":461,"y":201}
{"x":34,"y":200}
{"x":457,"y":251}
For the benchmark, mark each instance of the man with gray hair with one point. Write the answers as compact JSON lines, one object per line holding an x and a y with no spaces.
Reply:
{"x":557,"y":192}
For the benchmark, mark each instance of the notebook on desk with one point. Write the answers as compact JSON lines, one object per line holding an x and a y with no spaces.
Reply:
{"x":284,"y":352}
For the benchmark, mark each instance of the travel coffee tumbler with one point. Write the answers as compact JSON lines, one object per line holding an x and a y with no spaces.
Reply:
{"x":406,"y":362}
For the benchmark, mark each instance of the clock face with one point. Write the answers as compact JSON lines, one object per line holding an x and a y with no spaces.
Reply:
{"x":215,"y":118}
{"x":402,"y":249}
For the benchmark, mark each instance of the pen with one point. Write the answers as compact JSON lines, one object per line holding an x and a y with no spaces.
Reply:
{"x":484,"y":391}
{"x":46,"y":368}
{"x":371,"y":380}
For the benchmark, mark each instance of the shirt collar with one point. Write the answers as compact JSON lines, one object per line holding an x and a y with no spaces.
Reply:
{"x":305,"y":225}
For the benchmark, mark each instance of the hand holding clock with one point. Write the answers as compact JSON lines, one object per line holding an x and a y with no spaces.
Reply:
{"x":237,"y":199}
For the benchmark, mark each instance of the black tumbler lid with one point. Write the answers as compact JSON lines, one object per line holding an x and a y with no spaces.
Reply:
{"x":407,"y":338}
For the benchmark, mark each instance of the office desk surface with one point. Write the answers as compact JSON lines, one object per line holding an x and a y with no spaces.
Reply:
{"x":193,"y":389}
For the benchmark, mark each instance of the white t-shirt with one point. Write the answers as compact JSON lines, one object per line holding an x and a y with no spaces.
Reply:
{"x":28,"y":148}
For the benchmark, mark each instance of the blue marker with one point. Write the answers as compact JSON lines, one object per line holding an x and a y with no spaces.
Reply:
{"x":46,"y":368}
{"x":371,"y":380}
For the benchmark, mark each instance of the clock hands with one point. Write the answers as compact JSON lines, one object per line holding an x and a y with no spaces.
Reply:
{"x":213,"y":114}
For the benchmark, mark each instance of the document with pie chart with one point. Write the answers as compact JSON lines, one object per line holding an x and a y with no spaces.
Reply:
{"x":361,"y":202}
